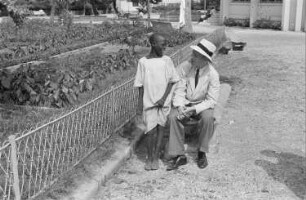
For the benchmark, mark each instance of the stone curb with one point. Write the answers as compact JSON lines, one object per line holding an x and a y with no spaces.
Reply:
{"x":88,"y":188}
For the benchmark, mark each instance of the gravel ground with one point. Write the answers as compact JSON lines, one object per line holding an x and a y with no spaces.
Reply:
{"x":262,"y":150}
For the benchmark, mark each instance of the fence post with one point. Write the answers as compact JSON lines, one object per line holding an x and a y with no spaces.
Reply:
{"x":14,"y":167}
{"x":180,"y":56}
{"x":113,"y":109}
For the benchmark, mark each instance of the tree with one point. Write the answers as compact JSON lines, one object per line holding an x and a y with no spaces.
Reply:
{"x":185,"y":16}
{"x":17,"y":12}
{"x":188,"y":20}
{"x":146,"y":5}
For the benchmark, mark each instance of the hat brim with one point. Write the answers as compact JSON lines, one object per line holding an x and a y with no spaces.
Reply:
{"x":198,"y":49}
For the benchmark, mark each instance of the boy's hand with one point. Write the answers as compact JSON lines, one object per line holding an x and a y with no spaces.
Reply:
{"x":160,"y":103}
{"x":139,"y":122}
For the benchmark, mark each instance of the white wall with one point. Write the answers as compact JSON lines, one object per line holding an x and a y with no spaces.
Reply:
{"x":239,"y":10}
{"x":304,"y":17}
{"x":125,"y":6}
{"x":292,"y":15}
{"x":271,"y":11}
{"x":171,"y":1}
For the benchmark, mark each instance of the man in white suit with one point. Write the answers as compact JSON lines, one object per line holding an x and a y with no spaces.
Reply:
{"x":194,"y":98}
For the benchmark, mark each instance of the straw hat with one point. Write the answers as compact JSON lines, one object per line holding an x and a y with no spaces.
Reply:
{"x":206,"y":48}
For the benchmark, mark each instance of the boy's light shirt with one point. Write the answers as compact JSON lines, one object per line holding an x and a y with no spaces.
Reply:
{"x":154,"y":75}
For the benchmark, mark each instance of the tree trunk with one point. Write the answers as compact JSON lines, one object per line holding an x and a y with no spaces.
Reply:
{"x":188,"y":25}
{"x":52,"y":11}
{"x":84,"y":7}
{"x":149,"y":13}
{"x":115,"y":6}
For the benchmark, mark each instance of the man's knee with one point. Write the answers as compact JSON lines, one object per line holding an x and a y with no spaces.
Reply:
{"x":207,"y":116}
{"x":173,"y":115}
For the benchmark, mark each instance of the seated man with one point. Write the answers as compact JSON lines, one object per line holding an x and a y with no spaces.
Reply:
{"x":194,"y":97}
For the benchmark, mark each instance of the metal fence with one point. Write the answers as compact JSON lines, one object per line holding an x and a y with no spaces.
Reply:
{"x":33,"y":161}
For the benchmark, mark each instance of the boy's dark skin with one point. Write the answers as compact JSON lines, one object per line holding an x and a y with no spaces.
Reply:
{"x":155,"y":136}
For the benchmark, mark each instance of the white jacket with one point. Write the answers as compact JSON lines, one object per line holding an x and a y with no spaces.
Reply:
{"x":205,"y":95}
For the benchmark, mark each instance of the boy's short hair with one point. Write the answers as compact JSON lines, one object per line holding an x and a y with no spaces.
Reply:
{"x":154,"y":37}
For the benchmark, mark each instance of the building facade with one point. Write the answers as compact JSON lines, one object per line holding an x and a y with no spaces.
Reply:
{"x":290,"y":12}
{"x":127,"y":6}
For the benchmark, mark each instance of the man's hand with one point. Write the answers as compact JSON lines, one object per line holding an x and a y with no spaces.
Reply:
{"x":189,"y":111}
{"x":181,"y":110}
{"x":181,"y":114}
{"x":160,"y":103}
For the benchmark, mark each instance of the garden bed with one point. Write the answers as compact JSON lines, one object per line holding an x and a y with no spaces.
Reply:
{"x":17,"y":118}
{"x":39,"y":40}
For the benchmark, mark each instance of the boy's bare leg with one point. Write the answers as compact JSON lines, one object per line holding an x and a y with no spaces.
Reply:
{"x":150,"y":143}
{"x":158,"y":144}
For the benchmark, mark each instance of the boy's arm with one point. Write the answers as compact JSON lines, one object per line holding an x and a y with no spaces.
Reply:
{"x":140,"y":101}
{"x":161,"y":102}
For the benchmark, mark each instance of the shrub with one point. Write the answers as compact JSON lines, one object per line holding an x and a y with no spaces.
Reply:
{"x":267,"y":24}
{"x":172,"y":7}
{"x":59,"y":83}
{"x":236,"y":22}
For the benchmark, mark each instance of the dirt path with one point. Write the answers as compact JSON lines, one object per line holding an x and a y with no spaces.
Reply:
{"x":262,"y":152}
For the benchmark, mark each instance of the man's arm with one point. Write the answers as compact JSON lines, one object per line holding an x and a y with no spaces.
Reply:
{"x":179,"y":96}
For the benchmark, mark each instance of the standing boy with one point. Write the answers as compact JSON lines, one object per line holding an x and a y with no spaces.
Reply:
{"x":155,"y":78}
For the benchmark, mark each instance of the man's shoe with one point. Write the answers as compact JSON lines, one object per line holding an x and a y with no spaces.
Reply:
{"x":176,"y":162}
{"x":202,"y":160}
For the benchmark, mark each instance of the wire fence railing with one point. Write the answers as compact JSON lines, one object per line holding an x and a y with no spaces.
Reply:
{"x":31,"y":162}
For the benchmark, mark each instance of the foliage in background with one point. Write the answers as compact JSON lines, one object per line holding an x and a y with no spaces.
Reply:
{"x":171,"y":7}
{"x":268,"y":24}
{"x":18,"y":12}
{"x":237,"y":22}
{"x":37,"y":39}
{"x":59,"y":84}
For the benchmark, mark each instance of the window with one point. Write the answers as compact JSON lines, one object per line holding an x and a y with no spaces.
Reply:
{"x":271,"y":1}
{"x":241,"y":1}
{"x":135,"y":4}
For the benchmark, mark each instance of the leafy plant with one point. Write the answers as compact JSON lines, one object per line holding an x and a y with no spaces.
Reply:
{"x":174,"y":37}
{"x":267,"y":24}
{"x":237,"y":22}
{"x":59,"y":84}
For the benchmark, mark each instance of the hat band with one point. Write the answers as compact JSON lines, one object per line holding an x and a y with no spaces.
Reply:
{"x":205,"y":49}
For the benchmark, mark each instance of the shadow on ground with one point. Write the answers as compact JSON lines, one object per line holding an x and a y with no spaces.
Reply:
{"x":290,"y":170}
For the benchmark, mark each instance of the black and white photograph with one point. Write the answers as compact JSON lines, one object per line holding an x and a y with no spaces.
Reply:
{"x":152,"y":100}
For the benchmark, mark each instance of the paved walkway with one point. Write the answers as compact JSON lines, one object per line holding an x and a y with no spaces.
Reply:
{"x":262,"y":153}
